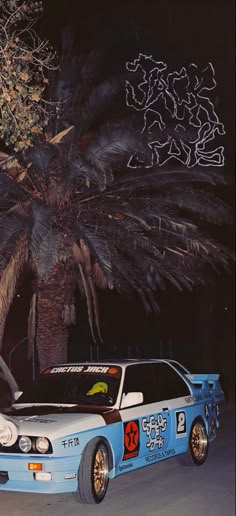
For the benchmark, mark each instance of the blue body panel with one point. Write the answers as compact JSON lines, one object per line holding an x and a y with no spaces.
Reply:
{"x":20,"y":479}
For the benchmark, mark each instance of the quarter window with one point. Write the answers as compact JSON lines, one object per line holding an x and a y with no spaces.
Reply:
{"x":169,"y":383}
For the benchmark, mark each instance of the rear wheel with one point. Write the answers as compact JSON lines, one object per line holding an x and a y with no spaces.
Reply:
{"x":198,"y":445}
{"x":93,"y":474}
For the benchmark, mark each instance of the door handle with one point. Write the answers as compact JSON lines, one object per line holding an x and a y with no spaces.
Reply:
{"x":165,"y":409}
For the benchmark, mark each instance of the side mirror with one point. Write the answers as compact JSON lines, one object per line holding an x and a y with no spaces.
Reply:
{"x":132,"y":398}
{"x":17,"y":394}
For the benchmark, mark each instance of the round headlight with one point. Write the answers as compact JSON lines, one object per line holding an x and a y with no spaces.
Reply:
{"x":42,"y":444}
{"x":5,"y":435}
{"x":8,"y":432}
{"x":25,"y":444}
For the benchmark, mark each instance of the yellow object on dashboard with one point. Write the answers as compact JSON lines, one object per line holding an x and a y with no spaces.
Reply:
{"x":98,"y":387}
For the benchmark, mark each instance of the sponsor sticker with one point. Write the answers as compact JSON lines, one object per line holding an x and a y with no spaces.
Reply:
{"x":154,"y":426}
{"x":82,"y":369}
{"x":70,"y":443}
{"x":68,"y":476}
{"x":47,"y":371}
{"x":160,"y":455}
{"x":37,"y":419}
{"x":180,"y":423}
{"x":131,"y":439}
{"x":113,"y":370}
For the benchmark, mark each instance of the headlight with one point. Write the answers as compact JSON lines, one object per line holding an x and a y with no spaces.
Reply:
{"x":5,"y":435}
{"x":8,"y":432}
{"x":42,"y":444}
{"x":25,"y":444}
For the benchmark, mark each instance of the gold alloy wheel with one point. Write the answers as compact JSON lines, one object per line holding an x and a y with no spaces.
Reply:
{"x":198,"y":441}
{"x":100,"y":470}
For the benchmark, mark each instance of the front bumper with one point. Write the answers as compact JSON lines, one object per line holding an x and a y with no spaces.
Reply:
{"x":17,"y":477}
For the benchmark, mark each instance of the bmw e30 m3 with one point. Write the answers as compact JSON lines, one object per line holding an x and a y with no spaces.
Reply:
{"x":79,"y":425}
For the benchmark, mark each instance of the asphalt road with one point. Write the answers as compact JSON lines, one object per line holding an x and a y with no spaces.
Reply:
{"x":164,"y":489}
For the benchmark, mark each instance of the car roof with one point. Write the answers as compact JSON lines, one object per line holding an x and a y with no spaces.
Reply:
{"x":119,"y":362}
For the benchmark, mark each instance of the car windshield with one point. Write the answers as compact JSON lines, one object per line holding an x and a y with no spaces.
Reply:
{"x":80,"y":384}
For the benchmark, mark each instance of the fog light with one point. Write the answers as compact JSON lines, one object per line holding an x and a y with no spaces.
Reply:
{"x":42,"y":444}
{"x":43,"y":476}
{"x":32,"y":466}
{"x":25,"y":444}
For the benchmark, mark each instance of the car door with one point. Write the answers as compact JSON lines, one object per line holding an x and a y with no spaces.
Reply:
{"x":172,"y":387}
{"x":146,"y":427}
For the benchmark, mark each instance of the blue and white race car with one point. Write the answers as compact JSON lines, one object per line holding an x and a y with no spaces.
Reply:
{"x":79,"y":425}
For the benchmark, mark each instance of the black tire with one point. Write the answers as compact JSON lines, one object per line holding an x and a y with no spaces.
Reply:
{"x":93,"y":475}
{"x":198,"y":445}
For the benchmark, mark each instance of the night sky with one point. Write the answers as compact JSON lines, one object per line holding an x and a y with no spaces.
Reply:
{"x":198,"y":328}
{"x":178,"y":32}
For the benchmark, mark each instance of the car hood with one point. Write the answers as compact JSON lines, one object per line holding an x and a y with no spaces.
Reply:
{"x":51,"y":422}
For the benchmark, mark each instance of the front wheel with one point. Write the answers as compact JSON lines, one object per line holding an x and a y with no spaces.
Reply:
{"x":197,"y":446}
{"x":93,"y":476}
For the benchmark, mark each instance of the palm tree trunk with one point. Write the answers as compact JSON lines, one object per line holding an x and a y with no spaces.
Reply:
{"x":51,"y":332}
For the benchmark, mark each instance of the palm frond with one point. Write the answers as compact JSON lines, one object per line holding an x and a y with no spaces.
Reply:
{"x":81,"y":172}
{"x":105,"y":154}
{"x":32,"y":325}
{"x":197,"y":202}
{"x":162,"y":180}
{"x":99,"y":249}
{"x":99,"y":277}
{"x":10,"y":189}
{"x":83,"y":259}
{"x":10,"y":270}
{"x":142,"y":241}
{"x":95,"y":305}
{"x":40,"y":157}
{"x":11,"y":225}
{"x":69,"y":315}
{"x":59,"y":137}
{"x":10,"y":164}
{"x":41,"y":216}
{"x":110,"y":149}
{"x":97,"y":104}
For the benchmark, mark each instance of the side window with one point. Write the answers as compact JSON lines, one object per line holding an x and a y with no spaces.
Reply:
{"x":141,"y":377}
{"x":169,"y":383}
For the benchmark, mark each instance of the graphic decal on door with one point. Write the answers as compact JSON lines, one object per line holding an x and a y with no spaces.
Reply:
{"x":153,"y":426}
{"x":131,"y":439}
{"x":180,"y":423}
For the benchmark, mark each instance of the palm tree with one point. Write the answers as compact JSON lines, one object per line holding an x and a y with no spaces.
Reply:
{"x":74,"y":216}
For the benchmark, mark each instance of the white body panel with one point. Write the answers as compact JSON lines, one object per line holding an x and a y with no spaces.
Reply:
{"x":58,"y":425}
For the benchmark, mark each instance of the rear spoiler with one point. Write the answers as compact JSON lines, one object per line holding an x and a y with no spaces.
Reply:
{"x":208,"y":382}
